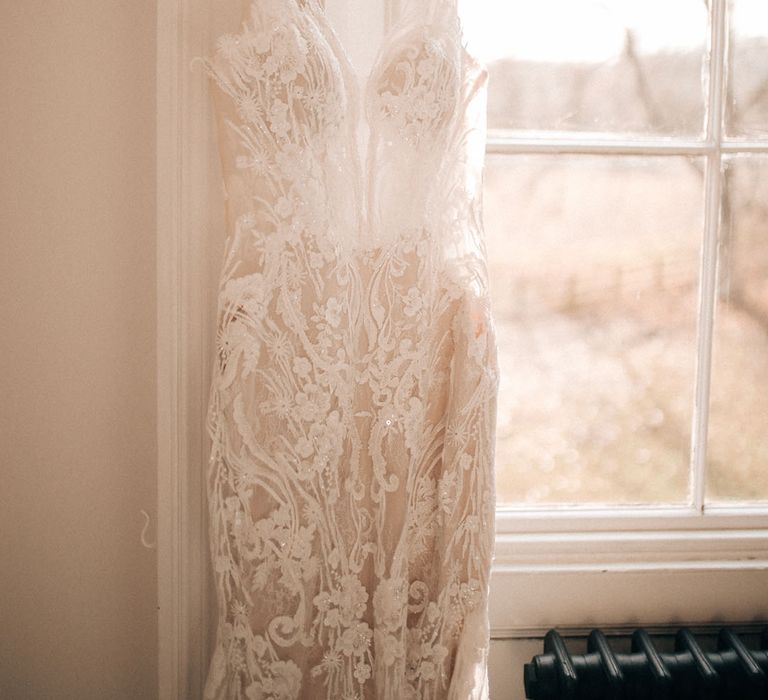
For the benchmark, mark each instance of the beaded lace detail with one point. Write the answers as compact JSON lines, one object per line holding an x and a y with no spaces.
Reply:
{"x":352,"y":407}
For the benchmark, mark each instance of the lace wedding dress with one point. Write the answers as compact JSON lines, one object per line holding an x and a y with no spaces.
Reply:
{"x":353,"y":401}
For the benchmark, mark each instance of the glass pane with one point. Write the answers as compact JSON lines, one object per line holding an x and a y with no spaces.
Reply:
{"x":738,"y":430}
{"x":623,"y":66}
{"x":748,"y":84}
{"x":594,"y":275}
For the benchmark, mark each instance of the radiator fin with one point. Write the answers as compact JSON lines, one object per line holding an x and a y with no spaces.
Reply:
{"x":733,"y":672}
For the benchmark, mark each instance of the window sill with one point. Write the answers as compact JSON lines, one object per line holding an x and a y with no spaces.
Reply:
{"x":576,"y":570}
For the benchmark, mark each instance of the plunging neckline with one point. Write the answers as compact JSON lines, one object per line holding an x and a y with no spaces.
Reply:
{"x":361,"y":83}
{"x":361,"y":79}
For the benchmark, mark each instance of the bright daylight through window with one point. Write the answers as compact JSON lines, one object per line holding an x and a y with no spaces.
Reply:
{"x":626,"y":210}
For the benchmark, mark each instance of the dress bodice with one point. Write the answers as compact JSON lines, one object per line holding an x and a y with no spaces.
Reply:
{"x":380,"y":153}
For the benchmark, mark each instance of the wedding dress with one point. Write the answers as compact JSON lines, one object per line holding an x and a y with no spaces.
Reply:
{"x":352,"y":407}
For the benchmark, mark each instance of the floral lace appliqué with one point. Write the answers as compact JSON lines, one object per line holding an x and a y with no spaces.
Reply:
{"x":352,"y":404}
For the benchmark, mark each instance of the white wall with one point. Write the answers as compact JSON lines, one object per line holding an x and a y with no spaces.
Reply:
{"x":77,"y":338}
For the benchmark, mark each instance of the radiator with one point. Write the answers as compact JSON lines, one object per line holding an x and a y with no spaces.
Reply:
{"x":689,"y":673}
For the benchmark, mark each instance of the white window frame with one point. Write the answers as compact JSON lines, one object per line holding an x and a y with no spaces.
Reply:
{"x":557,"y":567}
{"x":621,"y":565}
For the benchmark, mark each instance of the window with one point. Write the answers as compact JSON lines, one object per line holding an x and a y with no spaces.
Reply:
{"x":626,"y":202}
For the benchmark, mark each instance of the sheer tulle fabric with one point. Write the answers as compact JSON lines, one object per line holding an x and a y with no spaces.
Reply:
{"x":352,"y":407}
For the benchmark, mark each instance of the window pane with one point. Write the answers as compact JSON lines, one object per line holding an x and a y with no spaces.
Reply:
{"x":623,"y":66}
{"x":738,"y":432}
{"x":748,"y":85}
{"x":594,"y":275}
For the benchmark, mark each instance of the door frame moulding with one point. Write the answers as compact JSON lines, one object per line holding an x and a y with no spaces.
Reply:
{"x":183,"y":142}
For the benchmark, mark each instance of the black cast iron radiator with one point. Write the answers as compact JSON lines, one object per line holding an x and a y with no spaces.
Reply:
{"x":689,"y":673}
